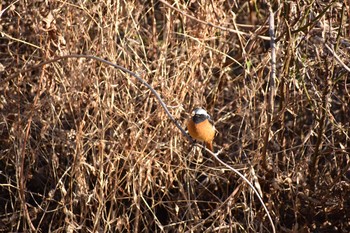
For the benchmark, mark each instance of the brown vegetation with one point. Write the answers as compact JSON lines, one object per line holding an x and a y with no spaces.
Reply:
{"x":85,"y":147}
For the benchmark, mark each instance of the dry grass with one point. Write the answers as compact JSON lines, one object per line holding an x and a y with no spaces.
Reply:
{"x":86,"y":148}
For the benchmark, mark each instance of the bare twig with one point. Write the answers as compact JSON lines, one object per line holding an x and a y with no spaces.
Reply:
{"x":5,"y":35}
{"x":211,"y":24}
{"x":115,"y":66}
{"x":338,"y":58}
{"x":21,"y":160}
{"x":215,"y":155}
{"x":271,"y":93}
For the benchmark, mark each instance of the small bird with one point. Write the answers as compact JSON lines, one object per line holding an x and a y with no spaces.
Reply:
{"x":200,"y":128}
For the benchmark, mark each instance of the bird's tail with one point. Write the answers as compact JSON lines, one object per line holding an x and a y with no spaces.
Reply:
{"x":210,"y":146}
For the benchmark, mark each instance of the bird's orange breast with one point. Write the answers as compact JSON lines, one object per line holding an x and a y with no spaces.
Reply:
{"x":203,"y":131}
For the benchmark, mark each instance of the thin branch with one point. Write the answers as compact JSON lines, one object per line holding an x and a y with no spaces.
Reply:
{"x":271,"y":93}
{"x":246,"y":180}
{"x":338,"y":58}
{"x":211,"y":24}
{"x":115,"y":66}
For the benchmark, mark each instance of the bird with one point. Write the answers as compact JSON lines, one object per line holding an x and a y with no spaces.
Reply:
{"x":200,"y":128}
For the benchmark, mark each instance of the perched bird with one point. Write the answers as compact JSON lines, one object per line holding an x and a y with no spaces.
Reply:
{"x":200,"y":128}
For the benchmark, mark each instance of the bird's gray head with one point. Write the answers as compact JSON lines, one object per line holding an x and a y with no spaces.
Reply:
{"x":199,"y":115}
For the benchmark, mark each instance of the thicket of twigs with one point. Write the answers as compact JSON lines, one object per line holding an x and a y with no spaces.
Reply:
{"x":87,"y":148}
